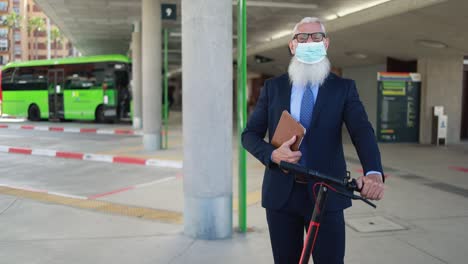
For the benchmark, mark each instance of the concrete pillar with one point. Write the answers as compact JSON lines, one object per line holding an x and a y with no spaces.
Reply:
{"x":207,"y":117}
{"x":441,"y":84}
{"x":151,"y":74}
{"x":136,"y":76}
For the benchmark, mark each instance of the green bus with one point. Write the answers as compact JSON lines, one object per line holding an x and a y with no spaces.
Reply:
{"x":81,"y":88}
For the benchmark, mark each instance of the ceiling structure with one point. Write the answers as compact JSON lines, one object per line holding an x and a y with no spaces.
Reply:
{"x":362,"y":32}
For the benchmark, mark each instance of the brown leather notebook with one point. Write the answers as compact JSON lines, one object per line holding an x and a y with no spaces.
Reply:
{"x":286,"y":129}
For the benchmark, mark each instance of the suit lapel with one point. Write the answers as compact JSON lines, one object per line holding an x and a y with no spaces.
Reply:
{"x":285,"y":91}
{"x":322,"y":98}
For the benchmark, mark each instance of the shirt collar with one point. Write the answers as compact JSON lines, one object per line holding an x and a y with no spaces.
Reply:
{"x":300,"y":87}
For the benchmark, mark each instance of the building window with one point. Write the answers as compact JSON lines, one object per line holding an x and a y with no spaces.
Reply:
{"x":57,"y":46}
{"x":41,"y":46}
{"x":17,"y":36}
{"x":4,"y":59}
{"x":36,"y":8}
{"x":3,"y":32}
{"x":4,"y":6}
{"x":16,"y":9}
{"x":41,"y":33}
{"x":17,"y":49}
{"x":3,"y":44}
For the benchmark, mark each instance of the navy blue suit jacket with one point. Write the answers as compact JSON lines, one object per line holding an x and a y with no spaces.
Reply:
{"x":337,"y":103}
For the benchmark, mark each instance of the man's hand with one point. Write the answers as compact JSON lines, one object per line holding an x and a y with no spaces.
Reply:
{"x":373,"y":188}
{"x":284,"y":153}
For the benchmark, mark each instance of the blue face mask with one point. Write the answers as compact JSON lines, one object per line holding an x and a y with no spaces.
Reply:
{"x":311,"y":52}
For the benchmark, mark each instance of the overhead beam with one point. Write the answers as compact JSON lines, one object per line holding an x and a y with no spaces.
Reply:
{"x":278,"y":5}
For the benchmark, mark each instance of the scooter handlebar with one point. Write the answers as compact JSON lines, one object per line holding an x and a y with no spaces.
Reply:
{"x":310,"y":173}
{"x":350,"y":185}
{"x":293,"y":167}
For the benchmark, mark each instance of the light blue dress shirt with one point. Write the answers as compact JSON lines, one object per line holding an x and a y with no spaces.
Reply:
{"x":296,"y":99}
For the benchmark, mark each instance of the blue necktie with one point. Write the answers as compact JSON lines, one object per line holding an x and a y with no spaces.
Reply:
{"x":307,"y":107}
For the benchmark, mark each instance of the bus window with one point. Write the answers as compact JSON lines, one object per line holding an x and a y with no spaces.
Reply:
{"x":7,"y":76}
{"x":23,"y":78}
{"x":40,"y":77}
{"x":30,"y":78}
{"x":80,"y":81}
{"x":79,"y":76}
{"x":99,"y":75}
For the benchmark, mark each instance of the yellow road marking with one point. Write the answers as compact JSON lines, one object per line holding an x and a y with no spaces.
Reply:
{"x":166,"y":216}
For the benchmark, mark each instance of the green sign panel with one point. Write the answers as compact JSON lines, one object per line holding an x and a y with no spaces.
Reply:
{"x":398,"y":101}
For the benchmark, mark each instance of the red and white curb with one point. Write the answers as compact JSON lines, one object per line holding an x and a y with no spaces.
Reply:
{"x":93,"y":157}
{"x":460,"y":169}
{"x":92,"y":197}
{"x":127,"y":132}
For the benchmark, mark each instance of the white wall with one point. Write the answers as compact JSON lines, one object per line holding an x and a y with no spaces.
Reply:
{"x":366,"y":82}
{"x":442,"y":84}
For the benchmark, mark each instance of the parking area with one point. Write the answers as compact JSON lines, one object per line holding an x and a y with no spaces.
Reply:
{"x":87,"y":165}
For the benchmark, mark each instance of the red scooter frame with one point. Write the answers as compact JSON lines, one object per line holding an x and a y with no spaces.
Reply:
{"x":347,"y":187}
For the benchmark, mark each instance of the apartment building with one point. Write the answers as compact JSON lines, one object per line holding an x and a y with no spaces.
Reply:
{"x":20,"y":43}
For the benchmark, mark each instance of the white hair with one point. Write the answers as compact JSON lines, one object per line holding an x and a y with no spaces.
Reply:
{"x":307,"y":20}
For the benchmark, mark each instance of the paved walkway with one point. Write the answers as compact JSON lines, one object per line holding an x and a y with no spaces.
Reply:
{"x":422,"y":218}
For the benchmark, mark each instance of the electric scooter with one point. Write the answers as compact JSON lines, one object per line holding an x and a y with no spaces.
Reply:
{"x":347,"y":187}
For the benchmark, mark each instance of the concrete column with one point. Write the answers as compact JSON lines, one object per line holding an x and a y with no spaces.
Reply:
{"x":207,"y":117}
{"x":136,"y":76}
{"x":442,"y":84}
{"x":151,"y":74}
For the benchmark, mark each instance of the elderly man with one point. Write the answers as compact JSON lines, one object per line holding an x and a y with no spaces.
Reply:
{"x":322,"y":102}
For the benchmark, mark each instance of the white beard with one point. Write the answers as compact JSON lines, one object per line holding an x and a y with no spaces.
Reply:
{"x":302,"y":73}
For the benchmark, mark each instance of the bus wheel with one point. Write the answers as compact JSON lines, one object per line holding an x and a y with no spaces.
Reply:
{"x":100,"y":118}
{"x":34,"y":114}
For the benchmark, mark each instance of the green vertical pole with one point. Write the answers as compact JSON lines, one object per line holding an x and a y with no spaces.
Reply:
{"x":242,"y":108}
{"x":166,"y":96}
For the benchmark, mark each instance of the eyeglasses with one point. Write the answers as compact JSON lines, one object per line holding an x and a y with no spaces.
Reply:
{"x":304,"y":37}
